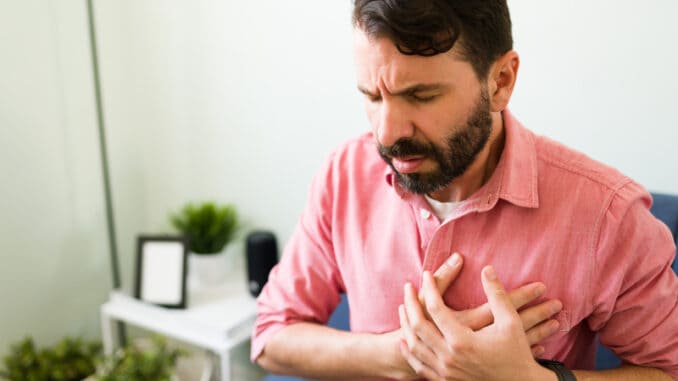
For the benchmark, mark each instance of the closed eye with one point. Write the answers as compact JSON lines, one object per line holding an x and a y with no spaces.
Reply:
{"x":369,"y":95}
{"x":421,"y":98}
{"x":373,"y":98}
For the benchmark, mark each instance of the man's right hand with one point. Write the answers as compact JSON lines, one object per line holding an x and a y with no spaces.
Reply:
{"x":537,"y":320}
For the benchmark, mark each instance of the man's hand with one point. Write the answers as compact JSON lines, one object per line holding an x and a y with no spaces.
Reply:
{"x":447,"y":348}
{"x":535,"y":319}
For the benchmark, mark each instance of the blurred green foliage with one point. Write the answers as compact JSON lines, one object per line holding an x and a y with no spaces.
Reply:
{"x":134,"y":362}
{"x":76,"y":360}
{"x":209,"y":226}
{"x":70,"y":359}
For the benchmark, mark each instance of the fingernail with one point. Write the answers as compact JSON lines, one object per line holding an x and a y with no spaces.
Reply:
{"x":490,"y":273}
{"x":557,"y":307}
{"x":453,"y":261}
{"x":555,"y":324}
{"x":539,"y":290}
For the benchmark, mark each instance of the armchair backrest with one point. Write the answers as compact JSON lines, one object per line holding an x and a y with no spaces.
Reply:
{"x":665,"y":208}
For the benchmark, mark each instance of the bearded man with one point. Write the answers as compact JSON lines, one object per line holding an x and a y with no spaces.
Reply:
{"x":426,"y":221}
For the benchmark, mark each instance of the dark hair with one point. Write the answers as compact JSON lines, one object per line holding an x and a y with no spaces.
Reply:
{"x":430,"y":27}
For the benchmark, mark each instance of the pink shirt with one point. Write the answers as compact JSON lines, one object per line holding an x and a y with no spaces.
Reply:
{"x":547,"y":214}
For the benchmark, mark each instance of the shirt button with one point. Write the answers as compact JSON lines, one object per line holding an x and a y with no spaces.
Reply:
{"x":425,"y":214}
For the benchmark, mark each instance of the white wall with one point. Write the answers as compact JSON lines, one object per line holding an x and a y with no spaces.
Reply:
{"x":54,"y":269}
{"x":598,"y":76}
{"x":217,"y":100}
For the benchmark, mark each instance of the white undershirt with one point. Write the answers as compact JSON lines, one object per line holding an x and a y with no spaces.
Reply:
{"x":443,"y":210}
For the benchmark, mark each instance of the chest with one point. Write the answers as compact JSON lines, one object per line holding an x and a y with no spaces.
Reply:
{"x":523,"y":249}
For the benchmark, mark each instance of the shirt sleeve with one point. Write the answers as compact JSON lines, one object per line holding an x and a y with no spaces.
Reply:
{"x":306,"y":285}
{"x":635,"y":296}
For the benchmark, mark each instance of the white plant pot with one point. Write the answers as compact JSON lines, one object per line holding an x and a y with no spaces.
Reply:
{"x":206,"y":270}
{"x":210,"y":270}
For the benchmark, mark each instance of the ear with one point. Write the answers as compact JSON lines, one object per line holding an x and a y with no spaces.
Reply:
{"x":502,"y":79}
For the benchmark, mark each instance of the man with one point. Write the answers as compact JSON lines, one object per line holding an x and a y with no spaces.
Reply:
{"x":448,"y":169}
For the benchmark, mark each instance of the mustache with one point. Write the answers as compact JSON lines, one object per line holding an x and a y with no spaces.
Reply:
{"x":406,"y":147}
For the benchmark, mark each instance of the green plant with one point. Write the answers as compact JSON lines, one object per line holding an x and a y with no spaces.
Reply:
{"x":209,"y":226}
{"x":70,"y":359}
{"x":75,"y":360}
{"x":136,"y":362}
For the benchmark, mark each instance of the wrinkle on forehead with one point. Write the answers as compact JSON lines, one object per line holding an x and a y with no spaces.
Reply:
{"x":380,"y":66}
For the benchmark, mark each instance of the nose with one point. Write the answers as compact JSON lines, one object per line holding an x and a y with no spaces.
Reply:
{"x":392,"y":124}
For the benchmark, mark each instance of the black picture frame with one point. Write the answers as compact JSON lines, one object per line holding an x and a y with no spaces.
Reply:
{"x":161,"y":268}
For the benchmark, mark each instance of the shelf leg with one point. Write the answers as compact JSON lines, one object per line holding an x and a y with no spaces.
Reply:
{"x":107,"y":328}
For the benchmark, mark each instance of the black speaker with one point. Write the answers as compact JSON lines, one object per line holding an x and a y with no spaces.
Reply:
{"x":262,"y":255}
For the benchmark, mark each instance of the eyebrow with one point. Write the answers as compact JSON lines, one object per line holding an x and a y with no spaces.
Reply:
{"x":410,"y":90}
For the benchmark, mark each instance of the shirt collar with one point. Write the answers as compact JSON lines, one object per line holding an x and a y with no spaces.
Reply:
{"x":515,"y":177}
{"x":519,"y":183}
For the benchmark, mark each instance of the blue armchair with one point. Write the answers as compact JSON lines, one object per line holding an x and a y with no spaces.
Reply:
{"x":664,"y":207}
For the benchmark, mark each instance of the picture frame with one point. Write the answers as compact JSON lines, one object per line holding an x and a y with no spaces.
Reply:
{"x":161,"y":268}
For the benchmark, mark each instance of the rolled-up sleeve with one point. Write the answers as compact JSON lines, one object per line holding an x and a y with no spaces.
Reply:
{"x":635,"y":299}
{"x":306,"y":285}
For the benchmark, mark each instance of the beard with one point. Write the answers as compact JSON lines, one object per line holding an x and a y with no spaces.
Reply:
{"x":454,"y":158}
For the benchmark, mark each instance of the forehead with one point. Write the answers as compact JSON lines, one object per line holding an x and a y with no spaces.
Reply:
{"x":378,"y":62}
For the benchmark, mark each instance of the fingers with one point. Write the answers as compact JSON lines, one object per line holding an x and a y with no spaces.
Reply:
{"x":422,"y":339}
{"x":422,"y":353}
{"x":443,"y":317}
{"x":537,"y":351}
{"x":539,"y":313}
{"x":525,"y":294}
{"x":541,"y":331}
{"x":481,"y":316}
{"x":448,"y":272}
{"x":418,"y":326}
{"x":537,"y":321}
{"x":419,"y":367}
{"x":497,"y":298}
{"x":445,"y":275}
{"x":408,"y":334}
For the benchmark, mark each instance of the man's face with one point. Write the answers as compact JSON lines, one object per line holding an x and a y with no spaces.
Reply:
{"x":430,"y":115}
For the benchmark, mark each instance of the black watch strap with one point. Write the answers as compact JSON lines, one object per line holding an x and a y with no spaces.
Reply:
{"x":558,"y":367}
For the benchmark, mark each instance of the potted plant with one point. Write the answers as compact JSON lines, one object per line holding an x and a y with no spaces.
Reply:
{"x":210,"y":228}
{"x":68,"y":360}
{"x":76,"y":360}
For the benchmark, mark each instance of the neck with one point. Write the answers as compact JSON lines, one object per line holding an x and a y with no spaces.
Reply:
{"x":480,"y":170}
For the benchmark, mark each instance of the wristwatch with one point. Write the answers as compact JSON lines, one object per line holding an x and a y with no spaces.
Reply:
{"x":558,"y":367}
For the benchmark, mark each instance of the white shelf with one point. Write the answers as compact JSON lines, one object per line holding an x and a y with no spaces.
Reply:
{"x":216,"y":325}
{"x":217,"y":319}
